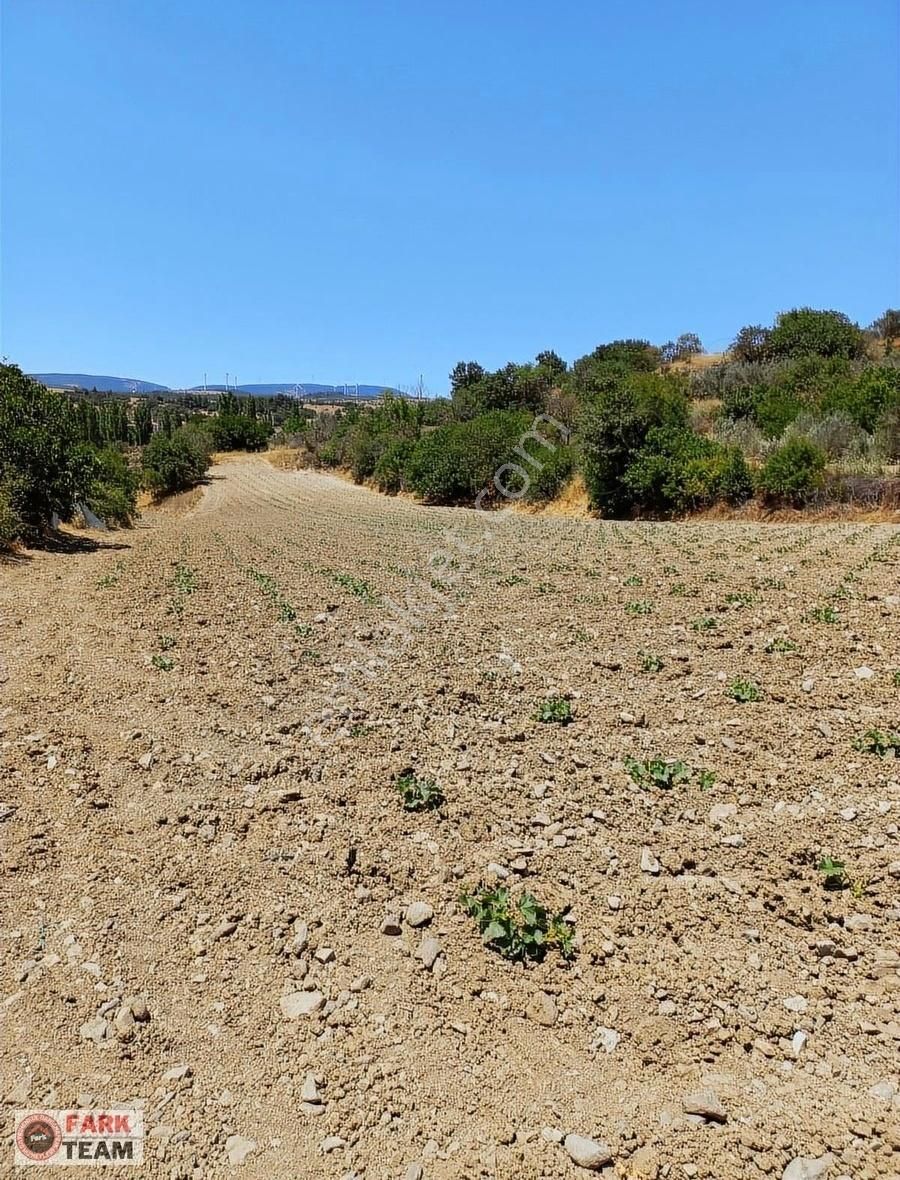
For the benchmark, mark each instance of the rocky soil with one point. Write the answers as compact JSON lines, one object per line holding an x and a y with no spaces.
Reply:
{"x":215,"y":905}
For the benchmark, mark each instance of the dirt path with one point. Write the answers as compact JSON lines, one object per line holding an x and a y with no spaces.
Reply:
{"x":201,"y":723}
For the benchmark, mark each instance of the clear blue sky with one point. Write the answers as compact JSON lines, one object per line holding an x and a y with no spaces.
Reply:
{"x":363,"y":190}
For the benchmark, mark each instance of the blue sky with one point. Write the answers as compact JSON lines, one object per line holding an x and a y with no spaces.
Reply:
{"x":366,"y":190}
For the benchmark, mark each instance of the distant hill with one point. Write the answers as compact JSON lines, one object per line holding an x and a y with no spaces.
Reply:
{"x":306,"y":388}
{"x":132,"y":385}
{"x":95,"y":381}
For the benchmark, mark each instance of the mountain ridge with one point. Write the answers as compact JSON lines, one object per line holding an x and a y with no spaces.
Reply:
{"x":134,"y":385}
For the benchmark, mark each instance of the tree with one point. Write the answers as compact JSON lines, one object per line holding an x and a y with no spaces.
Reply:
{"x":44,"y":467}
{"x":615,"y":428}
{"x":686,"y":346}
{"x":804,"y":331}
{"x":551,"y":362}
{"x":887,"y":327}
{"x":464,"y":374}
{"x":751,"y":344}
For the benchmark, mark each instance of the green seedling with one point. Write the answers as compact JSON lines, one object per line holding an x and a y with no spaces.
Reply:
{"x":163,"y":663}
{"x":650,"y":662}
{"x":554,"y":711}
{"x":639,"y":607}
{"x":518,"y":929}
{"x":708,"y":623}
{"x":358,"y":586}
{"x":657,"y":772}
{"x":744,"y":691}
{"x":780,"y":644}
{"x":418,"y":794}
{"x":833,"y":873}
{"x":634,"y":580}
{"x":822,"y":614}
{"x":880,"y":742}
{"x":166,"y":642}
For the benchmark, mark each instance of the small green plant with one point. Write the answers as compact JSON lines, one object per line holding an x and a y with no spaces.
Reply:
{"x":639,"y":607}
{"x":357,"y":586}
{"x":834,"y":874}
{"x":634,"y":580}
{"x":112,"y":578}
{"x":744,"y":691}
{"x":880,"y":742}
{"x":554,"y":711}
{"x":742,"y":599}
{"x":650,"y":662}
{"x":780,"y":644}
{"x":166,"y":642}
{"x":657,"y":772}
{"x":512,"y":580}
{"x":518,"y":929}
{"x":418,"y":794}
{"x":707,"y":623}
{"x":163,"y":663}
{"x":358,"y":731}
{"x":184,"y":580}
{"x":706,"y":779}
{"x":895,"y":679}
{"x":822,"y":614}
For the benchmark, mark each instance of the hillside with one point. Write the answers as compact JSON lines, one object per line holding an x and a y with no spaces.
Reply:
{"x":133,"y":385}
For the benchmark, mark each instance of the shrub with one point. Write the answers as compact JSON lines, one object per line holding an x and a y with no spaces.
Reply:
{"x":555,"y":471}
{"x":835,"y":434}
{"x":677,"y":470}
{"x":112,"y":494}
{"x":237,"y":432}
{"x":10,"y":524}
{"x":452,"y":464}
{"x":173,"y":464}
{"x":793,"y":473}
{"x":390,"y":470}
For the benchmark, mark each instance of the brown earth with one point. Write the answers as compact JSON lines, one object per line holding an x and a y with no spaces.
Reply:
{"x":201,"y":722}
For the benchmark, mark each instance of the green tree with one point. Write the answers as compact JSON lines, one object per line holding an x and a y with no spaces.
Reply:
{"x":805,"y":331}
{"x":615,"y":427}
{"x":793,"y":473}
{"x":44,"y":469}
{"x":751,"y":345}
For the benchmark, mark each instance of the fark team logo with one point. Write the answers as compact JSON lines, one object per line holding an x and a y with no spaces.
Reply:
{"x":72,"y":1137}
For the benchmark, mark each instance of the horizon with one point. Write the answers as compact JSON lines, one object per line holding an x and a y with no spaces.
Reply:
{"x":439,"y":187}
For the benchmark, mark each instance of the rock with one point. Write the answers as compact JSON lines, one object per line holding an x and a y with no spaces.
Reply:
{"x":542,"y":1010}
{"x":309,"y":1091}
{"x":649,"y":863}
{"x":428,"y":951}
{"x":722,"y":811}
{"x":95,"y":1030}
{"x":177,"y":1073}
{"x":224,"y":929}
{"x":606,"y":1039}
{"x":644,"y":1164}
{"x":885,"y":1090}
{"x":325,"y":954}
{"x":863,"y":673}
{"x":145,"y":761}
{"x":332,"y":1143}
{"x":296,"y":1004}
{"x":807,"y":1168}
{"x":706,"y":1104}
{"x":237,"y":1148}
{"x":587,"y":1153}
{"x":614,"y":901}
{"x":124,"y":1023}
{"x":414,"y":1172}
{"x":419,"y":913}
{"x":798,"y":1042}
{"x":795,"y":1003}
{"x":139,"y":1010}
{"x":391,"y":925}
